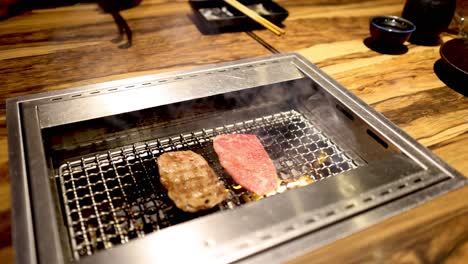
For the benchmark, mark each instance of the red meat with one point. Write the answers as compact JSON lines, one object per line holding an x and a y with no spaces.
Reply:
{"x":245,"y":159}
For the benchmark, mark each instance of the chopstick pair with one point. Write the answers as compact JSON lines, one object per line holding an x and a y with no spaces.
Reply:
{"x":256,"y":17}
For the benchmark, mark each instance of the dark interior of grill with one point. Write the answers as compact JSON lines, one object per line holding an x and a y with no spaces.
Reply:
{"x":105,"y":172}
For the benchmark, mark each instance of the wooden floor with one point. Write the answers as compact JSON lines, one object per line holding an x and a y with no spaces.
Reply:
{"x":51,"y":49}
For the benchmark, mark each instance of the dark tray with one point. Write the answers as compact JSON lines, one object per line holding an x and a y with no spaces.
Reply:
{"x":216,"y":16}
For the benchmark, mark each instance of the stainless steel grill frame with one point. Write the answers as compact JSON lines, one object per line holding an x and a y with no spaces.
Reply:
{"x":114,"y":197}
{"x":273,"y":229}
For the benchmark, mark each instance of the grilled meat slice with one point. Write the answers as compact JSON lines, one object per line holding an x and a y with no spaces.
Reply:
{"x":191,"y":182}
{"x":245,"y":159}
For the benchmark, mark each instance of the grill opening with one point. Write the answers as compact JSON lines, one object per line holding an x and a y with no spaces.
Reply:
{"x":345,"y":112}
{"x":105,"y":174}
{"x":115,"y":196}
{"x":377,"y":138}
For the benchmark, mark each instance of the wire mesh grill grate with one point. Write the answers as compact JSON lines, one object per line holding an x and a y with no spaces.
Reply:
{"x":113,"y":197}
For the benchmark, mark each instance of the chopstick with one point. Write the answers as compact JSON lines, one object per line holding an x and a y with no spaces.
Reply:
{"x":253,"y":15}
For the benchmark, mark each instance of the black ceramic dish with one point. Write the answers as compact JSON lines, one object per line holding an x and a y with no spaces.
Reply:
{"x":390,"y":31}
{"x":216,"y":16}
{"x":452,"y":68}
{"x":455,"y":53}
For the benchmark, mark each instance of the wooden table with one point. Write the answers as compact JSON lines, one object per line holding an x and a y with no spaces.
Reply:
{"x":52,"y":49}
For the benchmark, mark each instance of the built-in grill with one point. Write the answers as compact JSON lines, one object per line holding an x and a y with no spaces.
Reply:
{"x":84,"y":166}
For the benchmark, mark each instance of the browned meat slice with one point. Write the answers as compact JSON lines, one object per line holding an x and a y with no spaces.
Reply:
{"x":191,"y":182}
{"x":245,"y":159}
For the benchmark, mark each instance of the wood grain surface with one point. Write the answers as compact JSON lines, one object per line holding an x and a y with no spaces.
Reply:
{"x":50,"y":49}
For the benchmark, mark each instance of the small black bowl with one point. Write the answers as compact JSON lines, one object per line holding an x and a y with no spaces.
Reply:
{"x":390,"y":31}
